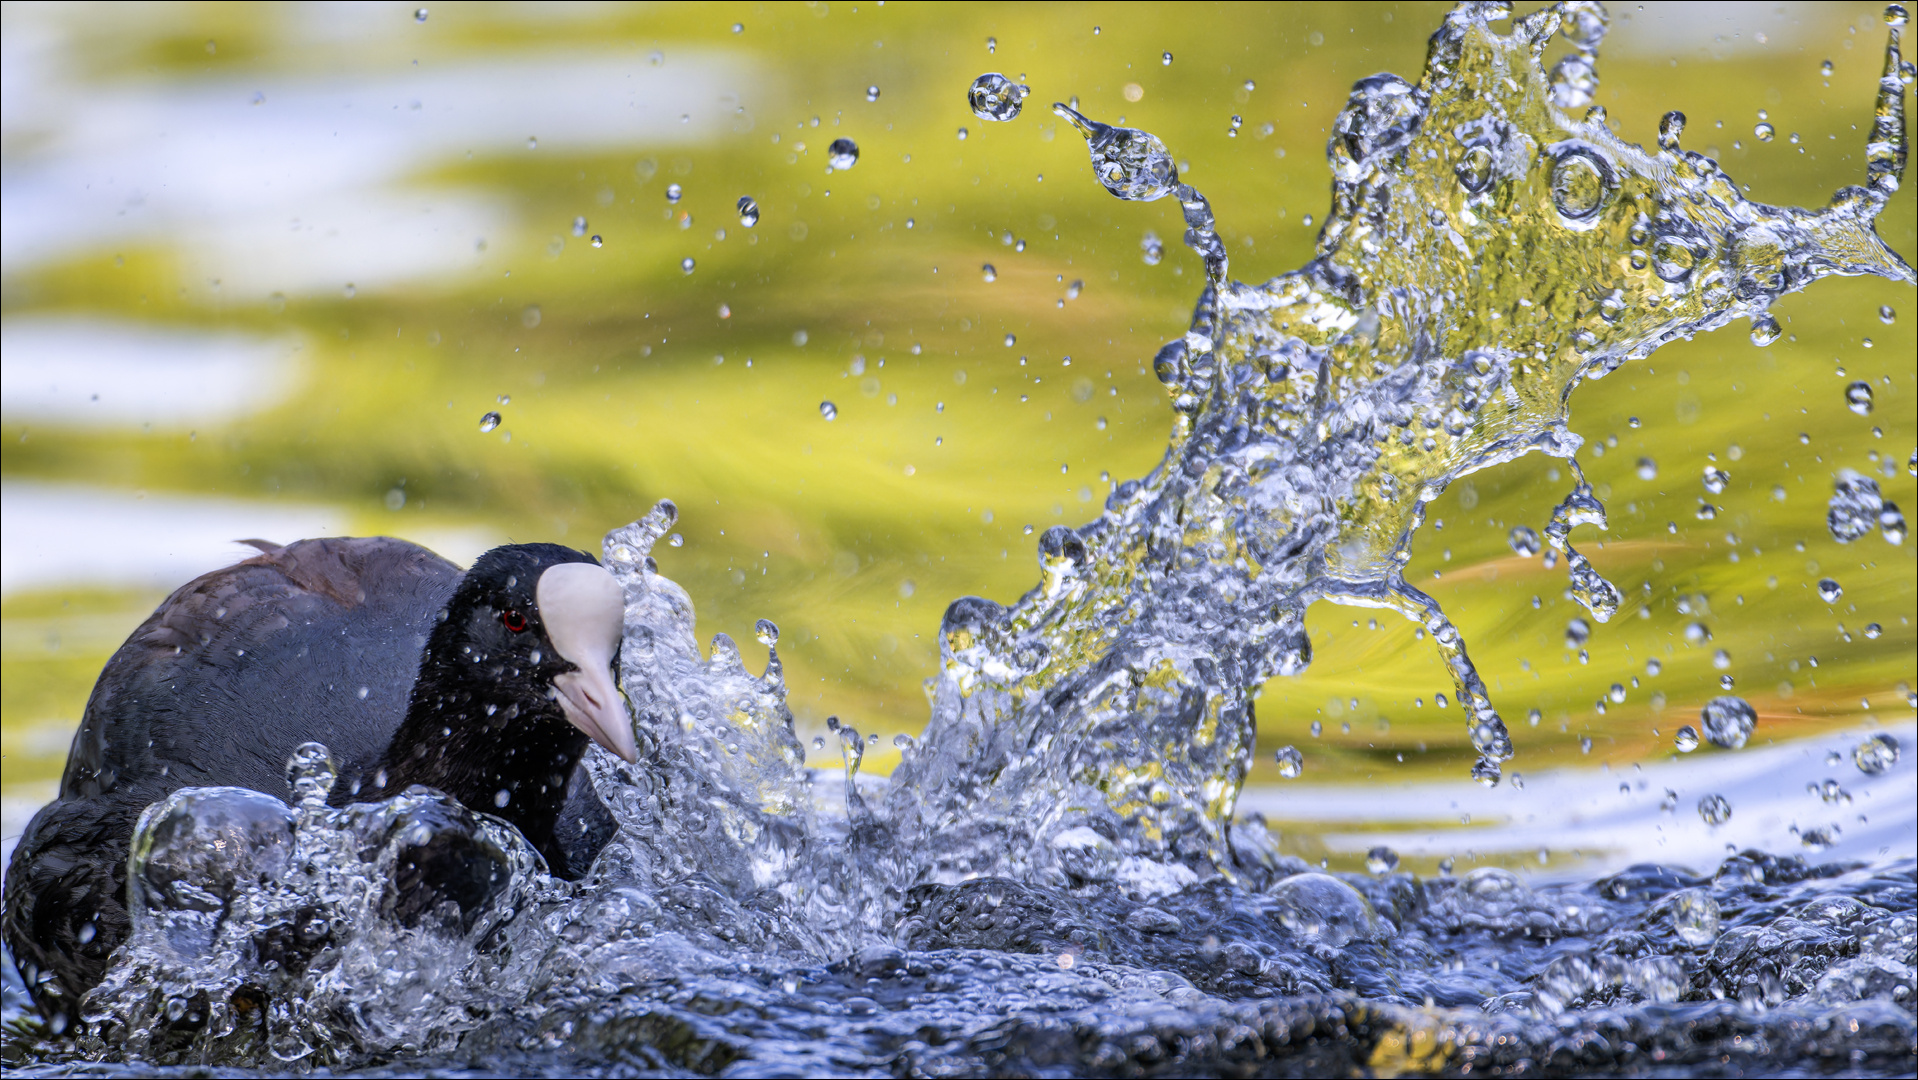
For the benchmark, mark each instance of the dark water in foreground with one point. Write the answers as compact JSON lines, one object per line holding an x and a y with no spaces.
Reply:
{"x":1057,"y":878}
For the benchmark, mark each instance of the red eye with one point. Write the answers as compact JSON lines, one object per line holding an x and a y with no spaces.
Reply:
{"x":513,"y":620}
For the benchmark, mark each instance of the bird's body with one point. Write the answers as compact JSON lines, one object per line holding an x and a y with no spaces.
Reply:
{"x":334,"y":641}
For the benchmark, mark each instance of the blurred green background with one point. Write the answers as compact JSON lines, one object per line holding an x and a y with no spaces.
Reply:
{"x":622,"y":378}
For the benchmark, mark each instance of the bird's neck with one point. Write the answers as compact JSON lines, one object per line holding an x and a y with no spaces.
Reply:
{"x":496,"y":751}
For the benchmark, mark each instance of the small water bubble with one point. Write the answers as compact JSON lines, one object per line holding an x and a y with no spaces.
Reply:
{"x":962,"y":134}
{"x":1858,"y":398}
{"x":489,"y":421}
{"x":1616,"y":693}
{"x":989,"y":273}
{"x":1876,"y":754}
{"x":686,"y":264}
{"x":1524,"y":540}
{"x":872,"y":93}
{"x":598,"y":241}
{"x":1165,"y":59}
{"x":1291,"y":763}
{"x":828,"y":410}
{"x":1686,"y":739}
{"x":748,"y":211}
{"x":1829,"y":589}
{"x":1381,"y":859}
{"x":1647,"y":469}
{"x":1872,"y":630}
{"x":675,"y":540}
{"x":1715,"y":809}
{"x":1011,"y":341}
{"x":842,"y":154}
{"x":419,"y":15}
{"x":1825,"y":69}
{"x":994,"y":97}
{"x":674,"y":192}
{"x":1764,"y":132}
{"x":1886,"y":315}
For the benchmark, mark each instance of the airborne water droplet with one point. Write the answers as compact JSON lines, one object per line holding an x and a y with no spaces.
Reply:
{"x":489,"y":421}
{"x":1524,"y":540}
{"x":872,"y":93}
{"x":1291,"y":763}
{"x":1686,"y":739}
{"x":1858,"y":398}
{"x":1876,"y":754}
{"x":1764,"y":132}
{"x":767,"y":632}
{"x":994,"y":97}
{"x":686,"y":264}
{"x":1381,"y":859}
{"x":1830,"y":590}
{"x":674,"y":192}
{"x":1728,"y":721}
{"x":1715,"y":809}
{"x":828,"y":410}
{"x":988,"y":272}
{"x":842,"y":154}
{"x":748,"y":211}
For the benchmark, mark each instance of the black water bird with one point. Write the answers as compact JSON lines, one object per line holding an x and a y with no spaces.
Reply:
{"x":485,"y":685}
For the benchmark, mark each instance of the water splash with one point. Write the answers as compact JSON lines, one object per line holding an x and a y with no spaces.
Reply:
{"x":1065,"y":827}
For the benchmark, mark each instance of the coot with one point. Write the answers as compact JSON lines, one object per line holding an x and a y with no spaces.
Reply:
{"x":484,"y":685}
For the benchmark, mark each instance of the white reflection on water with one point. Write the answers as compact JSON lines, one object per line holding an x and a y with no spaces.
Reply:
{"x":54,"y":535}
{"x":297,"y":183}
{"x":1584,"y":812}
{"x":86,"y":372}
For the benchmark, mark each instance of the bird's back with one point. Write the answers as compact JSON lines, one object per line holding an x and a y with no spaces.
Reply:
{"x":315,"y":641}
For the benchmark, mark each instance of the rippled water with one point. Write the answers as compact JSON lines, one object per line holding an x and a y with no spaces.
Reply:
{"x":1059,"y":877}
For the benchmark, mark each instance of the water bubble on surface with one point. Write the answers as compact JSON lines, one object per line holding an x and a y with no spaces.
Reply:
{"x":1321,"y":909}
{"x":1693,"y":913}
{"x":489,"y":421}
{"x":1829,"y":590}
{"x":1858,"y":397}
{"x":828,"y":410}
{"x":1876,"y":754}
{"x":1381,"y":860}
{"x":1714,"y":810}
{"x":1686,"y":739}
{"x":1524,"y":540}
{"x":994,"y":97}
{"x":1728,"y":721}
{"x":842,"y":154}
{"x":748,"y":211}
{"x":1291,"y":763}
